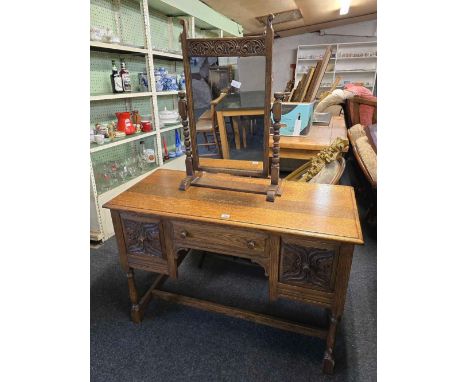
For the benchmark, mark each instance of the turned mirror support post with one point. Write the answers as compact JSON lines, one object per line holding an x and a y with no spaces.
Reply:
{"x":275,"y":161}
{"x":188,"y":147}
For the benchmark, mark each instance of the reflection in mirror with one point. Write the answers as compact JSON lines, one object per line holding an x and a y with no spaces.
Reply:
{"x":228,"y":106}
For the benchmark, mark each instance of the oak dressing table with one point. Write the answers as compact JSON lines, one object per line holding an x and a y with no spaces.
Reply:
{"x":304,"y":241}
{"x":303,"y":235}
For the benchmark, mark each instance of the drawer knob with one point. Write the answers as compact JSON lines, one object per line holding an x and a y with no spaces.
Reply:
{"x":251,"y":244}
{"x":183,"y":234}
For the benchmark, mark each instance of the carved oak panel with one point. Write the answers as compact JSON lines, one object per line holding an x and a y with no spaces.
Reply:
{"x":247,"y":46}
{"x":307,"y":266}
{"x":142,"y":238}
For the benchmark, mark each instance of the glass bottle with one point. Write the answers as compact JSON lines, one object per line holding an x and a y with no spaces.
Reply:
{"x":297,"y":125}
{"x":141,"y":156}
{"x":127,"y":86}
{"x":166,"y":154}
{"x":116,"y":80}
{"x":178,"y":144}
{"x":136,"y":118}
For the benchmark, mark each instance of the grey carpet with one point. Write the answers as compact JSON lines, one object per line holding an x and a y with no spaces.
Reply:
{"x":178,"y":343}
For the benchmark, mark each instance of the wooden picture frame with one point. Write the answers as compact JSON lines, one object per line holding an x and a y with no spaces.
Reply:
{"x":319,"y":72}
{"x":308,"y":86}
{"x":307,"y":81}
{"x":296,"y":94}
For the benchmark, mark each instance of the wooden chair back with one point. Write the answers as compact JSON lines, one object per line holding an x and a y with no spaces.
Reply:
{"x":213,"y":104}
{"x":352,"y":108}
{"x":208,"y":124}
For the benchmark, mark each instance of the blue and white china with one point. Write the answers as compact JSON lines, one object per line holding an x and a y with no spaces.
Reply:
{"x":181,"y":82}
{"x":143,"y":82}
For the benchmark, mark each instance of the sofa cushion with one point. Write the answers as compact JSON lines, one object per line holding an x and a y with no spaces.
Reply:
{"x":368,"y":156}
{"x":336,"y":97}
{"x":334,"y":110}
{"x":356,"y":132}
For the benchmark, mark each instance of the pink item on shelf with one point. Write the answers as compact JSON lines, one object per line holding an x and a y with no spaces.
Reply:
{"x":365,"y":111}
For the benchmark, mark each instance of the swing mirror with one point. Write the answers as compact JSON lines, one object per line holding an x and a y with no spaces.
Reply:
{"x":228,"y":92}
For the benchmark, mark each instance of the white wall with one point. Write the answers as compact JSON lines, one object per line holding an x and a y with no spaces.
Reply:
{"x":285,"y":48}
{"x":251,"y":71}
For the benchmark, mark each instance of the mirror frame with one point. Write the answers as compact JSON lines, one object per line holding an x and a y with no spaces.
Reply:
{"x":229,"y":47}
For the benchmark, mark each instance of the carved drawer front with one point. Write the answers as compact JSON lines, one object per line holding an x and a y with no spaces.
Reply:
{"x":221,"y":239}
{"x":143,"y":242}
{"x":308,"y":264}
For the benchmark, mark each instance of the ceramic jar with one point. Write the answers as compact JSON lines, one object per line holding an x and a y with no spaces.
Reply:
{"x":181,"y":82}
{"x":159,"y":83}
{"x":143,"y":82}
{"x":170,"y":82}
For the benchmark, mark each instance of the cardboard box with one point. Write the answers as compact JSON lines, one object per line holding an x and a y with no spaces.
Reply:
{"x":290,"y":112}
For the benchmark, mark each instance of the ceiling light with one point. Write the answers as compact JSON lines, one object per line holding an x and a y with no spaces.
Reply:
{"x":344,"y":7}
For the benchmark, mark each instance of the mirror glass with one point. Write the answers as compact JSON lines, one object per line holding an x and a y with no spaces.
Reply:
{"x":228,"y":96}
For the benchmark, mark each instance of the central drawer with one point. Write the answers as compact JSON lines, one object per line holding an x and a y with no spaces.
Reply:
{"x":220,"y":239}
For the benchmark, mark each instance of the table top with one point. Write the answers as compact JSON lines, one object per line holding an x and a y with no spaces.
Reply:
{"x":310,"y":210}
{"x":318,"y":137}
{"x":242,"y":101}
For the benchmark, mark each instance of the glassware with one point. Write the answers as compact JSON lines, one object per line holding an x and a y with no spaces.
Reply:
{"x":131,"y":166}
{"x":105,"y":180}
{"x":142,"y":165}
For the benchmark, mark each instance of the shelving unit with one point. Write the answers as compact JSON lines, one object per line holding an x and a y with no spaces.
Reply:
{"x":353,"y":62}
{"x":120,"y":141}
{"x":167,"y":55}
{"x":167,"y":93}
{"x":149,"y":38}
{"x":170,"y":128}
{"x":354,"y":71}
{"x":103,"y":97}
{"x":107,"y":47}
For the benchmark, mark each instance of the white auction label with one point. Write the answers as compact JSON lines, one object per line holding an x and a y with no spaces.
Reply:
{"x":236,"y":84}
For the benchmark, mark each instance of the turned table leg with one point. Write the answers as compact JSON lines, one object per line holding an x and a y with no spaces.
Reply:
{"x":235,"y":127}
{"x":336,"y":311}
{"x":329,"y":357}
{"x":244,"y":136}
{"x":135,"y":311}
{"x":139,"y":304}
